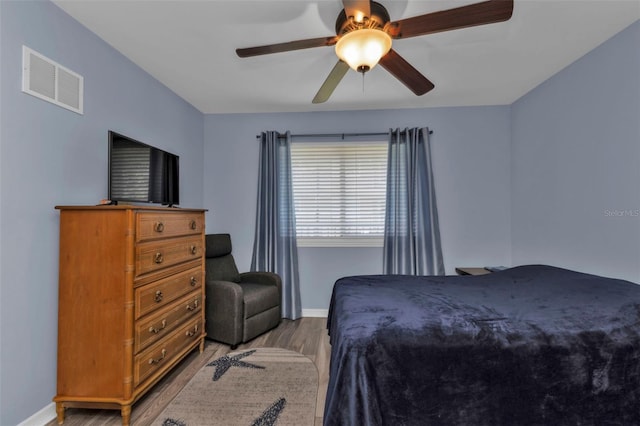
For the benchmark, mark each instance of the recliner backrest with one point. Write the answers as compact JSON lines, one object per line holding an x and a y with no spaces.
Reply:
{"x":219,"y":263}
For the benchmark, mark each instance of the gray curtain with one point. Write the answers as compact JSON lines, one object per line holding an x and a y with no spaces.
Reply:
{"x":274,"y":247}
{"x":411,"y":235}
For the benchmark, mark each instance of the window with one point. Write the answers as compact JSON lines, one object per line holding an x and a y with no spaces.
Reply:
{"x":339,"y":191}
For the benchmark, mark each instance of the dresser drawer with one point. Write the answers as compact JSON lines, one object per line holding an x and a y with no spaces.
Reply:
{"x":155,"y":225}
{"x":153,"y":256}
{"x":156,"y":326}
{"x":162,"y":354}
{"x":161,"y":293}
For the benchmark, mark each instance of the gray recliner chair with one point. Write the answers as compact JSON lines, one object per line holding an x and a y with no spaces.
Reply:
{"x":238,"y":307}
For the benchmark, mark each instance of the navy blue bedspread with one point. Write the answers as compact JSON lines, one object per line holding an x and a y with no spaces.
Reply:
{"x":531,"y":345}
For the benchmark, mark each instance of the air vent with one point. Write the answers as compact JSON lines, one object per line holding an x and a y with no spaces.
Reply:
{"x":50,"y":81}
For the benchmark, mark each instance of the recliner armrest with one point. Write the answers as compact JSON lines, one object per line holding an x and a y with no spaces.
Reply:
{"x":227,"y":290}
{"x":224,"y":304}
{"x":264,"y":278}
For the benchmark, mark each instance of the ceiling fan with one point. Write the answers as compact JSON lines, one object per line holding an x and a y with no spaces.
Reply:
{"x":364,"y":33}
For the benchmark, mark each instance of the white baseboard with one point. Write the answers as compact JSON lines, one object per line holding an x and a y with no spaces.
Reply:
{"x":42,"y":417}
{"x":315,"y":313}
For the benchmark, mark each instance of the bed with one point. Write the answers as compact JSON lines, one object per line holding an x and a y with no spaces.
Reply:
{"x":531,"y":345}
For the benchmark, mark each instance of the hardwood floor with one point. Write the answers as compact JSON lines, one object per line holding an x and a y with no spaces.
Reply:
{"x":306,"y":335}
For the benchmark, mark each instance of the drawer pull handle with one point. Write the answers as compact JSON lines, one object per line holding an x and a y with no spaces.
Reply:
{"x":158,"y":227}
{"x":193,"y":281}
{"x":155,"y":361}
{"x":190,"y":333}
{"x":194,"y":307}
{"x":158,"y":258}
{"x":158,"y":296}
{"x":193,"y":225}
{"x":154,"y":330}
{"x":194,"y":250}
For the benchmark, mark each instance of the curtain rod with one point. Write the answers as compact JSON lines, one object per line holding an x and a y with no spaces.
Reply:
{"x":338,"y":135}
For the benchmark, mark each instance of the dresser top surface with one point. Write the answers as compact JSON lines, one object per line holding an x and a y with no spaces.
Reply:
{"x":130,"y":207}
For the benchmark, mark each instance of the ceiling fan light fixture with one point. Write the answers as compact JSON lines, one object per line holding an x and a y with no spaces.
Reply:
{"x":362,"y":49}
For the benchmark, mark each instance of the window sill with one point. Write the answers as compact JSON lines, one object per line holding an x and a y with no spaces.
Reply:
{"x":340,"y":242}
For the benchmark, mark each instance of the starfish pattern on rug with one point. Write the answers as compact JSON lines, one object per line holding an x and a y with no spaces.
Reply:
{"x":270,"y":416}
{"x":173,"y":422}
{"x":224,"y":363}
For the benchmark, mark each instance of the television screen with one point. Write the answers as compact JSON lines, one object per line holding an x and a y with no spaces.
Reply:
{"x":141,"y":173}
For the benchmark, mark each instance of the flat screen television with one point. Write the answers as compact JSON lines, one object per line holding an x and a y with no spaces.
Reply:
{"x":141,"y":173}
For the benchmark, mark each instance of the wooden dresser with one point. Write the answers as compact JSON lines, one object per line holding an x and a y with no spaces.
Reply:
{"x":131,"y":297}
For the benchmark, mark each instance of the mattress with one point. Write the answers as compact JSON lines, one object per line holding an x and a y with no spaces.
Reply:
{"x":531,"y":345}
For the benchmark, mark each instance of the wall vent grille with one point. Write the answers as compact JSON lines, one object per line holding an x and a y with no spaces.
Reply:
{"x":50,"y":81}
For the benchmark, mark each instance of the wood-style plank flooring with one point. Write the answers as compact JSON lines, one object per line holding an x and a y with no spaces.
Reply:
{"x":306,"y":335}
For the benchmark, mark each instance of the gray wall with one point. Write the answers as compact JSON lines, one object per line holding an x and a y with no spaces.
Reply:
{"x":50,"y":156}
{"x":576,"y":164}
{"x":471,"y":151}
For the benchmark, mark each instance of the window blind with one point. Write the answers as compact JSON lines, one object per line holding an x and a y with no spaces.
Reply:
{"x":339,"y":192}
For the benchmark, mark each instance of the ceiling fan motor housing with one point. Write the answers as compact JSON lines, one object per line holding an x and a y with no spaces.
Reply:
{"x":377,"y":21}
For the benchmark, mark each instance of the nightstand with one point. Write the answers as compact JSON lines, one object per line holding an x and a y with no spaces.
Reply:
{"x":472,"y":271}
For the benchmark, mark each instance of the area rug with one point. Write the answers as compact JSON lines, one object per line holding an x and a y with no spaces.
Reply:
{"x":261,"y":387}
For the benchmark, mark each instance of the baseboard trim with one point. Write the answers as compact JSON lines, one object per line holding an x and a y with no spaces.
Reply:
{"x":42,"y":417}
{"x":315,"y":313}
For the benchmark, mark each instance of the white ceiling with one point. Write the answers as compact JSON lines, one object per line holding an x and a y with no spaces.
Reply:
{"x":189,"y":45}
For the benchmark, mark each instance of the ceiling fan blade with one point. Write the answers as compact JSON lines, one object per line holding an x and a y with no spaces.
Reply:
{"x":330,"y":84}
{"x":406,"y":73}
{"x":285,"y":47}
{"x":487,"y":12}
{"x":357,"y":8}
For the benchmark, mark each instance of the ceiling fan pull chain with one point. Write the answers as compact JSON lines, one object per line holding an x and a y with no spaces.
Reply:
{"x":363,"y":82}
